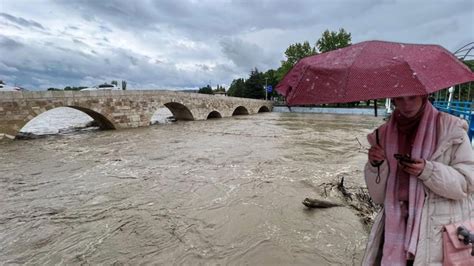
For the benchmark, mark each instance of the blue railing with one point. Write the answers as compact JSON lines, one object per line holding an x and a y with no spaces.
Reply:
{"x":463,"y":110}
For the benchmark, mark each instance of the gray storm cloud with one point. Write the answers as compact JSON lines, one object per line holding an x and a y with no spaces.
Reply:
{"x":21,"y":21}
{"x":187,"y":44}
{"x":244,"y":55}
{"x":54,"y":65}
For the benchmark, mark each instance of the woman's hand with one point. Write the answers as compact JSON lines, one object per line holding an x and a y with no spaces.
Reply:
{"x":376,"y":155}
{"x":415,"y":168}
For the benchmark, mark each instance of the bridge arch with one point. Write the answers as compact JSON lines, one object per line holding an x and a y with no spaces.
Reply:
{"x":102,"y":121}
{"x":180,"y":111}
{"x":35,"y":116}
{"x":214,"y":114}
{"x":263,"y":109}
{"x":240,"y":110}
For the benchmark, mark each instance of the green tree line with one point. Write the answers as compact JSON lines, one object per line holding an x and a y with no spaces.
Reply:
{"x":462,"y":92}
{"x":254,"y":85}
{"x":208,"y":89}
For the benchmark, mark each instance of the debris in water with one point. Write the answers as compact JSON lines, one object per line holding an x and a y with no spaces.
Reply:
{"x":317,"y":203}
{"x":357,"y":198}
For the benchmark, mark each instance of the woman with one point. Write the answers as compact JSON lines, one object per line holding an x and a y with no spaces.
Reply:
{"x":421,"y":196}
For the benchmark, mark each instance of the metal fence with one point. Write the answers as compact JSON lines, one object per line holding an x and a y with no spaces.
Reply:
{"x":464,"y":110}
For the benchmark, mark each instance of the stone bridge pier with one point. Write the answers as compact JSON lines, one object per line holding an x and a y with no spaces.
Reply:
{"x":121,"y":109}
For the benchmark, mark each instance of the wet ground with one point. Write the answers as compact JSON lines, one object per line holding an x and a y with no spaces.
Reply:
{"x":215,"y":192}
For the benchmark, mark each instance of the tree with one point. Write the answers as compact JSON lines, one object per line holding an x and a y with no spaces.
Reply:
{"x":283,"y":69}
{"x":254,"y":85}
{"x":467,"y":93}
{"x":469,"y":63}
{"x":333,"y":40}
{"x":206,"y":90}
{"x":297,"y":51}
{"x":237,"y":88}
{"x":293,"y":54}
{"x":219,"y":88}
{"x":114,"y":82}
{"x":124,"y":85}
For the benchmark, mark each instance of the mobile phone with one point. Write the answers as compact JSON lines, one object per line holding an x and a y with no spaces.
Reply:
{"x":404,"y":158}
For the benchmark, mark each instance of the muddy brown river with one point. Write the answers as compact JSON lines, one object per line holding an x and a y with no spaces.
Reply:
{"x":215,"y":192}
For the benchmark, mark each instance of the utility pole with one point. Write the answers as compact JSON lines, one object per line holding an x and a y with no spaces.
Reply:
{"x":266,"y":90}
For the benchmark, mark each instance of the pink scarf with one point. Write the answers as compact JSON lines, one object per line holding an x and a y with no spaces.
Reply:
{"x":401,"y":237}
{"x":407,"y":129}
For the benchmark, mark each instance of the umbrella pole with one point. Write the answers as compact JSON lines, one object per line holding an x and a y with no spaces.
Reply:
{"x":375,"y":108}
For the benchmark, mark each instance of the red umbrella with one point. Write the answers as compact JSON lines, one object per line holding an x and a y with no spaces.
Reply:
{"x":372,"y":70}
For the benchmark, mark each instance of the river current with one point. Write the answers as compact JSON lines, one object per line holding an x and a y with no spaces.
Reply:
{"x":215,"y":192}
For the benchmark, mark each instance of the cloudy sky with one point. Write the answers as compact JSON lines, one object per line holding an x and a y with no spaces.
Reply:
{"x":180,"y":44}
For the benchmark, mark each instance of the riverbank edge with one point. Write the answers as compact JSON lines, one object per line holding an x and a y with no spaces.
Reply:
{"x":330,"y":110}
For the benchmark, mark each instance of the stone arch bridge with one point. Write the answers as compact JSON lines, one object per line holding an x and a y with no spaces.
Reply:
{"x":121,"y":109}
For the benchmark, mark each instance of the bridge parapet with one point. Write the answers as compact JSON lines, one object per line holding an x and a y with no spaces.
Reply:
{"x":119,"y":109}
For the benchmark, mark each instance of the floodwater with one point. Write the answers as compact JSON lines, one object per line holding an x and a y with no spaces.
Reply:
{"x":216,"y":192}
